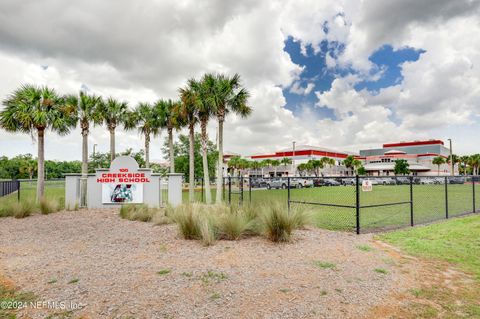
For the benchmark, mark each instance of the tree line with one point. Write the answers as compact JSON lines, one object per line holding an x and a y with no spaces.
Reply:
{"x":35,"y":110}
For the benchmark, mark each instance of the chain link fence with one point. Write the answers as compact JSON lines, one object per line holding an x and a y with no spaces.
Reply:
{"x":349,"y":204}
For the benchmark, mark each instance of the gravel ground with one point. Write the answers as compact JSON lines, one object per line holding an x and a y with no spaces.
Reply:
{"x":115,"y":268}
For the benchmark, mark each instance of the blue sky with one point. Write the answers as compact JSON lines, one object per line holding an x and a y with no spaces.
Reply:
{"x":386,"y":60}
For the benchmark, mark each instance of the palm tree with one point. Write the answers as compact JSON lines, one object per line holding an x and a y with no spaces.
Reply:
{"x":205,"y":112}
{"x":474,"y":162}
{"x":316,"y":165}
{"x":234,"y":163}
{"x":453,"y":160}
{"x":226,"y":95}
{"x":168,"y":112}
{"x":255,"y":165}
{"x":147,"y":119}
{"x":438,"y":160}
{"x":328,"y":161}
{"x":286,"y":161}
{"x":31,"y":109}
{"x":87,"y":110}
{"x":189,"y":113}
{"x":263,"y":164}
{"x":243,"y":164}
{"x":113,"y":113}
{"x":463,"y":163}
{"x":356,"y":164}
{"x":266,"y":163}
{"x":348,"y":162}
{"x":275,"y":164}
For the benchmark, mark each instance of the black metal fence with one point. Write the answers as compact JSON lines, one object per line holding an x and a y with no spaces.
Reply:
{"x":9,"y":187}
{"x":364,"y":204}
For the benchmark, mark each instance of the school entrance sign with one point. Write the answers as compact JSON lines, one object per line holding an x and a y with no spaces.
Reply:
{"x":124,"y":183}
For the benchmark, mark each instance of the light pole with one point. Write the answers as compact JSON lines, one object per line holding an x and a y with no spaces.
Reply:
{"x":94,"y":148}
{"x":452,"y":166}
{"x":293,"y":158}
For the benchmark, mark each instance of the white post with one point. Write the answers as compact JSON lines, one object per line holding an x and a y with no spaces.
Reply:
{"x":174,"y":189}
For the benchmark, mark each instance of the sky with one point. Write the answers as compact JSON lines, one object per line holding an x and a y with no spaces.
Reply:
{"x":342,"y":74}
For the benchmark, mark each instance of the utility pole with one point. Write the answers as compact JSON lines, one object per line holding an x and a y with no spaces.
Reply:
{"x":293,"y":158}
{"x":452,"y":165}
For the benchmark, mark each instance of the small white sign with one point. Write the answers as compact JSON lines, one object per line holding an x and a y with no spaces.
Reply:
{"x":122,"y":193}
{"x":367,"y":185}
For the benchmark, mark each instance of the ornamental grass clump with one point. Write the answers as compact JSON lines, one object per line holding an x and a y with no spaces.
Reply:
{"x":277,"y":223}
{"x":188,"y":221}
{"x":22,"y":209}
{"x":48,"y":206}
{"x":233,"y":223}
{"x":137,"y":212}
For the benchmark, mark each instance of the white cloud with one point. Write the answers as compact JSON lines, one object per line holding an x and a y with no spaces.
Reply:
{"x":142,"y":51}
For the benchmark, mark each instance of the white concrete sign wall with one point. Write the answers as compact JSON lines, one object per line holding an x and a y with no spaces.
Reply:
{"x":123,"y":183}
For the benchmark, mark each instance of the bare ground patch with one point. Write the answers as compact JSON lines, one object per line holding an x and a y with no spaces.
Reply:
{"x":117,"y":268}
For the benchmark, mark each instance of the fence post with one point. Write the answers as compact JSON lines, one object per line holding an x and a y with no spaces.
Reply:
{"x":223,"y":188}
{"x":288,"y":193}
{"x":250,"y":189}
{"x":202,"y":188}
{"x":473,"y":189}
{"x":229,"y":189}
{"x":446,"y":197}
{"x":411,"y":201}
{"x":357,"y":203}
{"x":241,"y":190}
{"x":18,"y":192}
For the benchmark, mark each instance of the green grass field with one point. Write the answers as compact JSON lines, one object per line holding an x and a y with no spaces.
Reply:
{"x":456,"y":242}
{"x":53,"y":189}
{"x":429,"y":202}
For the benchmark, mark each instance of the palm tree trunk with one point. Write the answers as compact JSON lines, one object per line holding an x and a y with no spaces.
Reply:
{"x":147,"y":150}
{"x":112,"y":144}
{"x":41,"y":165}
{"x":191,"y":167}
{"x":170,"y":149}
{"x":220,"y":163}
{"x":206,"y":175}
{"x":83,"y":184}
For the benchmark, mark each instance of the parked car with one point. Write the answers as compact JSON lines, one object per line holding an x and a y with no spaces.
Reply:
{"x":427,"y":181}
{"x":318,"y":182}
{"x":456,"y":180}
{"x":402,"y":180}
{"x":385,"y":181}
{"x":276,"y":183}
{"x":331,"y":182}
{"x":258,"y":182}
{"x":347,"y":181}
{"x":301,"y":182}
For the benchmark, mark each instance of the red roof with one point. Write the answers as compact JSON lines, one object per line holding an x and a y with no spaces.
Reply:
{"x":301,"y":153}
{"x":414,"y":143}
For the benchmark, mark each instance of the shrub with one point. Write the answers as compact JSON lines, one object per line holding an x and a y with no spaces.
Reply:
{"x":22,"y":209}
{"x":233,"y":224}
{"x":277,"y":224}
{"x":48,"y":206}
{"x":187,"y":220}
{"x":137,"y":212}
{"x":160,"y":218}
{"x":207,"y":231}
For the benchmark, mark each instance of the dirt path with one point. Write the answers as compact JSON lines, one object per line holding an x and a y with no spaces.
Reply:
{"x":116,"y":268}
